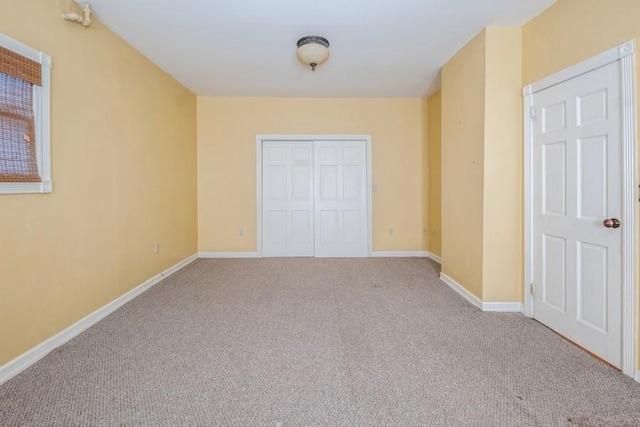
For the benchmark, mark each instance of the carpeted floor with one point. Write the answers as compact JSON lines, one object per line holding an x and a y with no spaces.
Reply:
{"x":310,"y":342}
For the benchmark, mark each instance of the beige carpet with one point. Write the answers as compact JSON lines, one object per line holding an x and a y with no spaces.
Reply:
{"x":311,"y":342}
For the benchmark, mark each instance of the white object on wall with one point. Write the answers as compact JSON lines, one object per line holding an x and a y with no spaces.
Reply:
{"x":84,"y":20}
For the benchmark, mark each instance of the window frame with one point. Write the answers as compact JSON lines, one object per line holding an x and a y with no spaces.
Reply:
{"x":42,"y":121}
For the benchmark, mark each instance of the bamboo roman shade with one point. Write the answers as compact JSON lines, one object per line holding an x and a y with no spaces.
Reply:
{"x":18,"y":161}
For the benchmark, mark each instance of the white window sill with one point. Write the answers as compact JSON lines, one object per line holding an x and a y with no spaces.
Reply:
{"x":26,"y":187}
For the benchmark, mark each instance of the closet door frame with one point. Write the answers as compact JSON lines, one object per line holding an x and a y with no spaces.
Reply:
{"x":260,"y":139}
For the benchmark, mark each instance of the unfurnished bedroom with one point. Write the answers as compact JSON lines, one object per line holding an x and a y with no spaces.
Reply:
{"x":336,"y":213}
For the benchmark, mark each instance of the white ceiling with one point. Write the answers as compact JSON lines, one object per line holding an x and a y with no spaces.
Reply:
{"x":379,"y":48}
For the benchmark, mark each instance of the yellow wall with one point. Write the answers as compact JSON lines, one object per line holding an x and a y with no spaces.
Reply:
{"x":503,"y":214}
{"x":482,"y":166}
{"x":123,"y":162}
{"x":463,"y":94}
{"x":434,"y":171}
{"x":571,"y":31}
{"x":227,"y":129}
{"x":425,"y":175}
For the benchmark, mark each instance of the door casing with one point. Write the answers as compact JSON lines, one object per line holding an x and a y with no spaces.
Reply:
{"x":625,"y":54}
{"x":259,"y":143}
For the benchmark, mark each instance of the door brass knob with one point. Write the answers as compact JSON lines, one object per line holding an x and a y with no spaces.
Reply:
{"x":611,"y":223}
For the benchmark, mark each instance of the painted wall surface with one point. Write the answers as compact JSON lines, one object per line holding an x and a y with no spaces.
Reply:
{"x":571,"y":31}
{"x":425,"y":174}
{"x":463,"y":94}
{"x":123,"y":163}
{"x":227,"y":129}
{"x":503,"y":237}
{"x":482,"y":231}
{"x":434,"y":171}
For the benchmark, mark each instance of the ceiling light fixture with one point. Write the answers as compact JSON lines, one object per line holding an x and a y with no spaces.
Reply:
{"x":313,"y":51}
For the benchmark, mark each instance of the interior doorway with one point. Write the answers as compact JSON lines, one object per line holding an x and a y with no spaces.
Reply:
{"x":314,"y":196}
{"x":580,"y":205}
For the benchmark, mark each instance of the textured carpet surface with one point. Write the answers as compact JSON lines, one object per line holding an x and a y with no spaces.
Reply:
{"x":310,"y":342}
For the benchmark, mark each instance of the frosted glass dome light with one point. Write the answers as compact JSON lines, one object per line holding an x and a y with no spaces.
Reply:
{"x":313,"y":51}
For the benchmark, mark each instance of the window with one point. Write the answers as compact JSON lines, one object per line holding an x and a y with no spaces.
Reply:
{"x":25,"y":161}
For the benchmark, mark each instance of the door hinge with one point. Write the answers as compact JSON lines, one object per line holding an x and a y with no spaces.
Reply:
{"x":532,"y":112}
{"x":531,"y":291}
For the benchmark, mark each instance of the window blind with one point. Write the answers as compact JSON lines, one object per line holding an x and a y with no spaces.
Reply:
{"x":16,"y":65}
{"x":18,"y":160}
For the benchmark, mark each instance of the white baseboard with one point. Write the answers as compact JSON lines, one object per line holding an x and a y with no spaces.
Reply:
{"x":169,"y":271}
{"x":434,"y":257}
{"x":375,"y":254}
{"x":506,"y":307}
{"x":22,"y":362}
{"x":228,"y":255}
{"x":638,"y":376}
{"x":400,"y":254}
{"x":461,"y":290}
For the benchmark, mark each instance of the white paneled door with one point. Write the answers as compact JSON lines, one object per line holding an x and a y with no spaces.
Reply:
{"x":340,"y":198}
{"x":577,"y":202}
{"x":314,"y":199}
{"x":287,"y":199}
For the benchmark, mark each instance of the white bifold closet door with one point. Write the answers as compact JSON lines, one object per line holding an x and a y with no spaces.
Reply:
{"x":314,"y":199}
{"x":340,"y":199}
{"x":287,"y":199}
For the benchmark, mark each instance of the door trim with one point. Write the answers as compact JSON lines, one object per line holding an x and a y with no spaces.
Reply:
{"x":260,"y":139}
{"x":625,"y":54}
